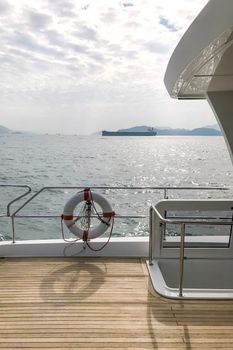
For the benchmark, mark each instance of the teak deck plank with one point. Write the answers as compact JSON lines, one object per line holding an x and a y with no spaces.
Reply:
{"x":96,"y":303}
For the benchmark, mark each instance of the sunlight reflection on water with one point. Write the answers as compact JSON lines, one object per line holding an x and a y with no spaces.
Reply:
{"x":43,"y":160}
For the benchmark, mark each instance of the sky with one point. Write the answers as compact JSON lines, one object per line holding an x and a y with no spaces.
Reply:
{"x":80,"y":66}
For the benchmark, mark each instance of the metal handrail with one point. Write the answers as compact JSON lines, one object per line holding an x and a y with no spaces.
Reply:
{"x":164,"y":188}
{"x":17,"y":198}
{"x":188,"y":221}
{"x":182,"y":222}
{"x":153,"y":188}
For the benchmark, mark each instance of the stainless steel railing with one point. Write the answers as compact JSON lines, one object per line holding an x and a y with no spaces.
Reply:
{"x":182,"y":222}
{"x":165,"y":190}
{"x":26,"y":187}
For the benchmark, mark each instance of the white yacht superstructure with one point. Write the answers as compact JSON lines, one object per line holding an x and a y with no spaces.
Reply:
{"x":201,"y":67}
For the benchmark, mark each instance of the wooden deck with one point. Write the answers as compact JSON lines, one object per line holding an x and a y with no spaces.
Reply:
{"x":57,"y":303}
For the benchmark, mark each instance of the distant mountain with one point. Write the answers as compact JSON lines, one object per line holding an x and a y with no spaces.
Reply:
{"x":213,"y":126}
{"x":141,"y":128}
{"x":186,"y":132}
{"x":4,"y":130}
{"x":204,"y":131}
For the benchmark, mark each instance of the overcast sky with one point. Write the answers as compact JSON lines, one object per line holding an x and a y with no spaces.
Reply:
{"x":79,"y":66}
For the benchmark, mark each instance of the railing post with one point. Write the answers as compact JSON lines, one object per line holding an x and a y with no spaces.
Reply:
{"x":165,"y":214}
{"x":13,"y":229}
{"x":182,"y":242}
{"x":164,"y":226}
{"x":151,"y":234}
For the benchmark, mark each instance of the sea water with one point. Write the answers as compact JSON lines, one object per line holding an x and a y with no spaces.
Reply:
{"x":86,"y":161}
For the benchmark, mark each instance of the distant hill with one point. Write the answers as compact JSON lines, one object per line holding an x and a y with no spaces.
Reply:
{"x":204,"y":131}
{"x":213,"y":126}
{"x":187,"y":132}
{"x":141,"y":128}
{"x":4,"y":130}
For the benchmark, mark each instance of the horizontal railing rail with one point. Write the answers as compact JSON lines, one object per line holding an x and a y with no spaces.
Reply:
{"x":165,"y":189}
{"x":183,"y":220}
{"x":81,"y":216}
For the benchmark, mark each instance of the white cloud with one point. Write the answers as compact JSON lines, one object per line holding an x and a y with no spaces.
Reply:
{"x":39,"y":21}
{"x":89,"y":59}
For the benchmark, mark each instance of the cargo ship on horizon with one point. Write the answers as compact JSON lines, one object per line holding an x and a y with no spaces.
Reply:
{"x":149,"y":132}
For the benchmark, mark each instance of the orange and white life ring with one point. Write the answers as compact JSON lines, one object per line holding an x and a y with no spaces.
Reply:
{"x":106,"y":215}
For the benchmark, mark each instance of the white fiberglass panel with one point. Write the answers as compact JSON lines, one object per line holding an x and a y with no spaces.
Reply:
{"x":203,"y":279}
{"x":199,"y":273}
{"x":196,"y":77}
{"x":200,"y":51}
